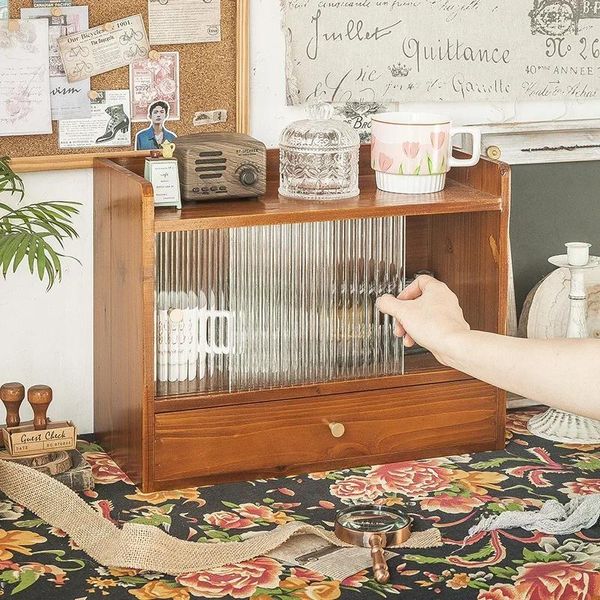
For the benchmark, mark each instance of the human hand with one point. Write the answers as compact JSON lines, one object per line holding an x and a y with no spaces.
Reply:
{"x":426,"y":312}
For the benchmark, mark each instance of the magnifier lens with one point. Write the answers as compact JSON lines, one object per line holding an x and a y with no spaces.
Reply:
{"x":374,"y":526}
{"x":372,"y":519}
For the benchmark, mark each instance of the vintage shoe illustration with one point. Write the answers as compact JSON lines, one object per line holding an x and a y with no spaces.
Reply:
{"x":119,"y":121}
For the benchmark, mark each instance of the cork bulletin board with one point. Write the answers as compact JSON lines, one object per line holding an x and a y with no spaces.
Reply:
{"x":211,"y":76}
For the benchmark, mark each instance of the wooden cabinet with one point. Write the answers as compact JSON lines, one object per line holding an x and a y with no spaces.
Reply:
{"x":171,"y":434}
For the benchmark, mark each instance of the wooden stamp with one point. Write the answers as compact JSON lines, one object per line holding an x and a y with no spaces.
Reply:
{"x":12,"y":395}
{"x":39,"y":396}
{"x":40,"y":436}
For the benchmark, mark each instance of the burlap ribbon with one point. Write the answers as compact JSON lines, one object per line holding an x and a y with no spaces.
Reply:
{"x":147,"y":547}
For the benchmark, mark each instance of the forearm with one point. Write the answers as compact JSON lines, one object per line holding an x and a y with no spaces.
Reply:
{"x":561,"y":373}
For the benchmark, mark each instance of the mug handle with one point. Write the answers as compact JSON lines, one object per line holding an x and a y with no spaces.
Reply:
{"x":208,"y":323}
{"x":466,"y":162}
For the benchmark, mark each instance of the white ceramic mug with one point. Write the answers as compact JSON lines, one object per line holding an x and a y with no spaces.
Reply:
{"x":186,"y":336}
{"x":412,"y":152}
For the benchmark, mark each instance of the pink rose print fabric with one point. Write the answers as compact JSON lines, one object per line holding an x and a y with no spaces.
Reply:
{"x":451,"y":493}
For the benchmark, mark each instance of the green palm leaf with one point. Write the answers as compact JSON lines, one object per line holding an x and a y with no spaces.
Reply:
{"x":33,"y":230}
{"x":9,"y":180}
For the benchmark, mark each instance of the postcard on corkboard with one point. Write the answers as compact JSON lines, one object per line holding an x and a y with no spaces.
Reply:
{"x":24,"y":78}
{"x":108,"y":126}
{"x":68,"y":100}
{"x":153,"y":79}
{"x":104,"y":48}
{"x":184,"y":21}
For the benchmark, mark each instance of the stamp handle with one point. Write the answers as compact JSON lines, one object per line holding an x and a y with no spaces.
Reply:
{"x":39,"y":397}
{"x":12,"y":395}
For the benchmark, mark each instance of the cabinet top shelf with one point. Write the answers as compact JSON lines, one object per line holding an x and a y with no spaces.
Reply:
{"x":484,"y":187}
{"x":272,"y":209}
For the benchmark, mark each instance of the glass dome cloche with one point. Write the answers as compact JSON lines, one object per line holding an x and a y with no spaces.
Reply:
{"x":319,"y":157}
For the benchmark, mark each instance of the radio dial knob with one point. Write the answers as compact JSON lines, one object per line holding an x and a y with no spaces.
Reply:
{"x":248,"y":176}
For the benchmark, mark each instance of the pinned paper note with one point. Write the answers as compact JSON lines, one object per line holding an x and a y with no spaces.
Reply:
{"x":154,"y":78}
{"x":104,"y":48}
{"x":68,"y":100}
{"x":209,"y":117}
{"x":184,"y":21}
{"x":24,"y":78}
{"x":109,"y":124}
{"x":46,"y":3}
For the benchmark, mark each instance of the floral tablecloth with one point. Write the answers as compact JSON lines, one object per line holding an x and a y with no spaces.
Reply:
{"x":38,"y":561}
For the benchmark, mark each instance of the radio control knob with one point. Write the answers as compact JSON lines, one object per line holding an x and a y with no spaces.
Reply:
{"x":248,"y":176}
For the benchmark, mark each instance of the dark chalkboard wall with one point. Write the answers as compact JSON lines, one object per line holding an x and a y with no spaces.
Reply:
{"x":551,"y":205}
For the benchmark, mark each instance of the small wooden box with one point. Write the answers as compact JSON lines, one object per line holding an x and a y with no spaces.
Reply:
{"x":26,"y":441}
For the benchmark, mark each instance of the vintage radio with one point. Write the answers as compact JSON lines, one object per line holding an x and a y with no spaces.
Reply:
{"x":215,"y":166}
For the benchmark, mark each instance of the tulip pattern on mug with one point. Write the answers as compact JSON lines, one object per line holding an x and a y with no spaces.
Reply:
{"x":418,"y":153}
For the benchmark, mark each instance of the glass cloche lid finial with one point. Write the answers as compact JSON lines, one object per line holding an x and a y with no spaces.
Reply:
{"x":320,"y":111}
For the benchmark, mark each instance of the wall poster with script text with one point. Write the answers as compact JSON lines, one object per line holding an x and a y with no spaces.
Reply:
{"x":429,"y":50}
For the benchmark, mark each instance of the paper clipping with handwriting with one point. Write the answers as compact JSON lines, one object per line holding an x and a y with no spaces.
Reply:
{"x":184,"y":21}
{"x":68,"y":100}
{"x":24,"y":78}
{"x":430,"y":50}
{"x":104,"y":48}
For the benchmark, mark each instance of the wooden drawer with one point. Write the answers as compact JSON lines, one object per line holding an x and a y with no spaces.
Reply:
{"x":291,"y":436}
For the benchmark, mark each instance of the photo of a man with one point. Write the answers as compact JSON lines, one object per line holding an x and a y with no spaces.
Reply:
{"x":153,"y":137}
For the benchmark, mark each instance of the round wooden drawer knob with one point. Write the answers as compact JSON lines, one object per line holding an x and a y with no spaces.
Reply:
{"x":494,"y":152}
{"x":337,"y":429}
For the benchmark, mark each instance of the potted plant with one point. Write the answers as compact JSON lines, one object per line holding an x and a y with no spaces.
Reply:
{"x":33,"y":234}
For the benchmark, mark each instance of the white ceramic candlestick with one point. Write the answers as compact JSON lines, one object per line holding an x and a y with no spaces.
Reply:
{"x":558,"y":425}
{"x":577,"y":324}
{"x":578,"y":253}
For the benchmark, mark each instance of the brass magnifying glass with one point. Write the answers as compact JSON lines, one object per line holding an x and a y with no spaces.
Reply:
{"x":375,"y":527}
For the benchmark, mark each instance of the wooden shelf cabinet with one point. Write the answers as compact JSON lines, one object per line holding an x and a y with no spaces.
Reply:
{"x":174,"y":434}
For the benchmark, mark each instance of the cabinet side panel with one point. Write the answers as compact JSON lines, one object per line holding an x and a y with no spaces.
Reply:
{"x":102,"y":303}
{"x":470,"y":254}
{"x":487,"y":175}
{"x":121,"y":334}
{"x":466,"y":256}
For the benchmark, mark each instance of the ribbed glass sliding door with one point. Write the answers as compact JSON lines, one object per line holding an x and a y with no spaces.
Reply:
{"x":276,"y":306}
